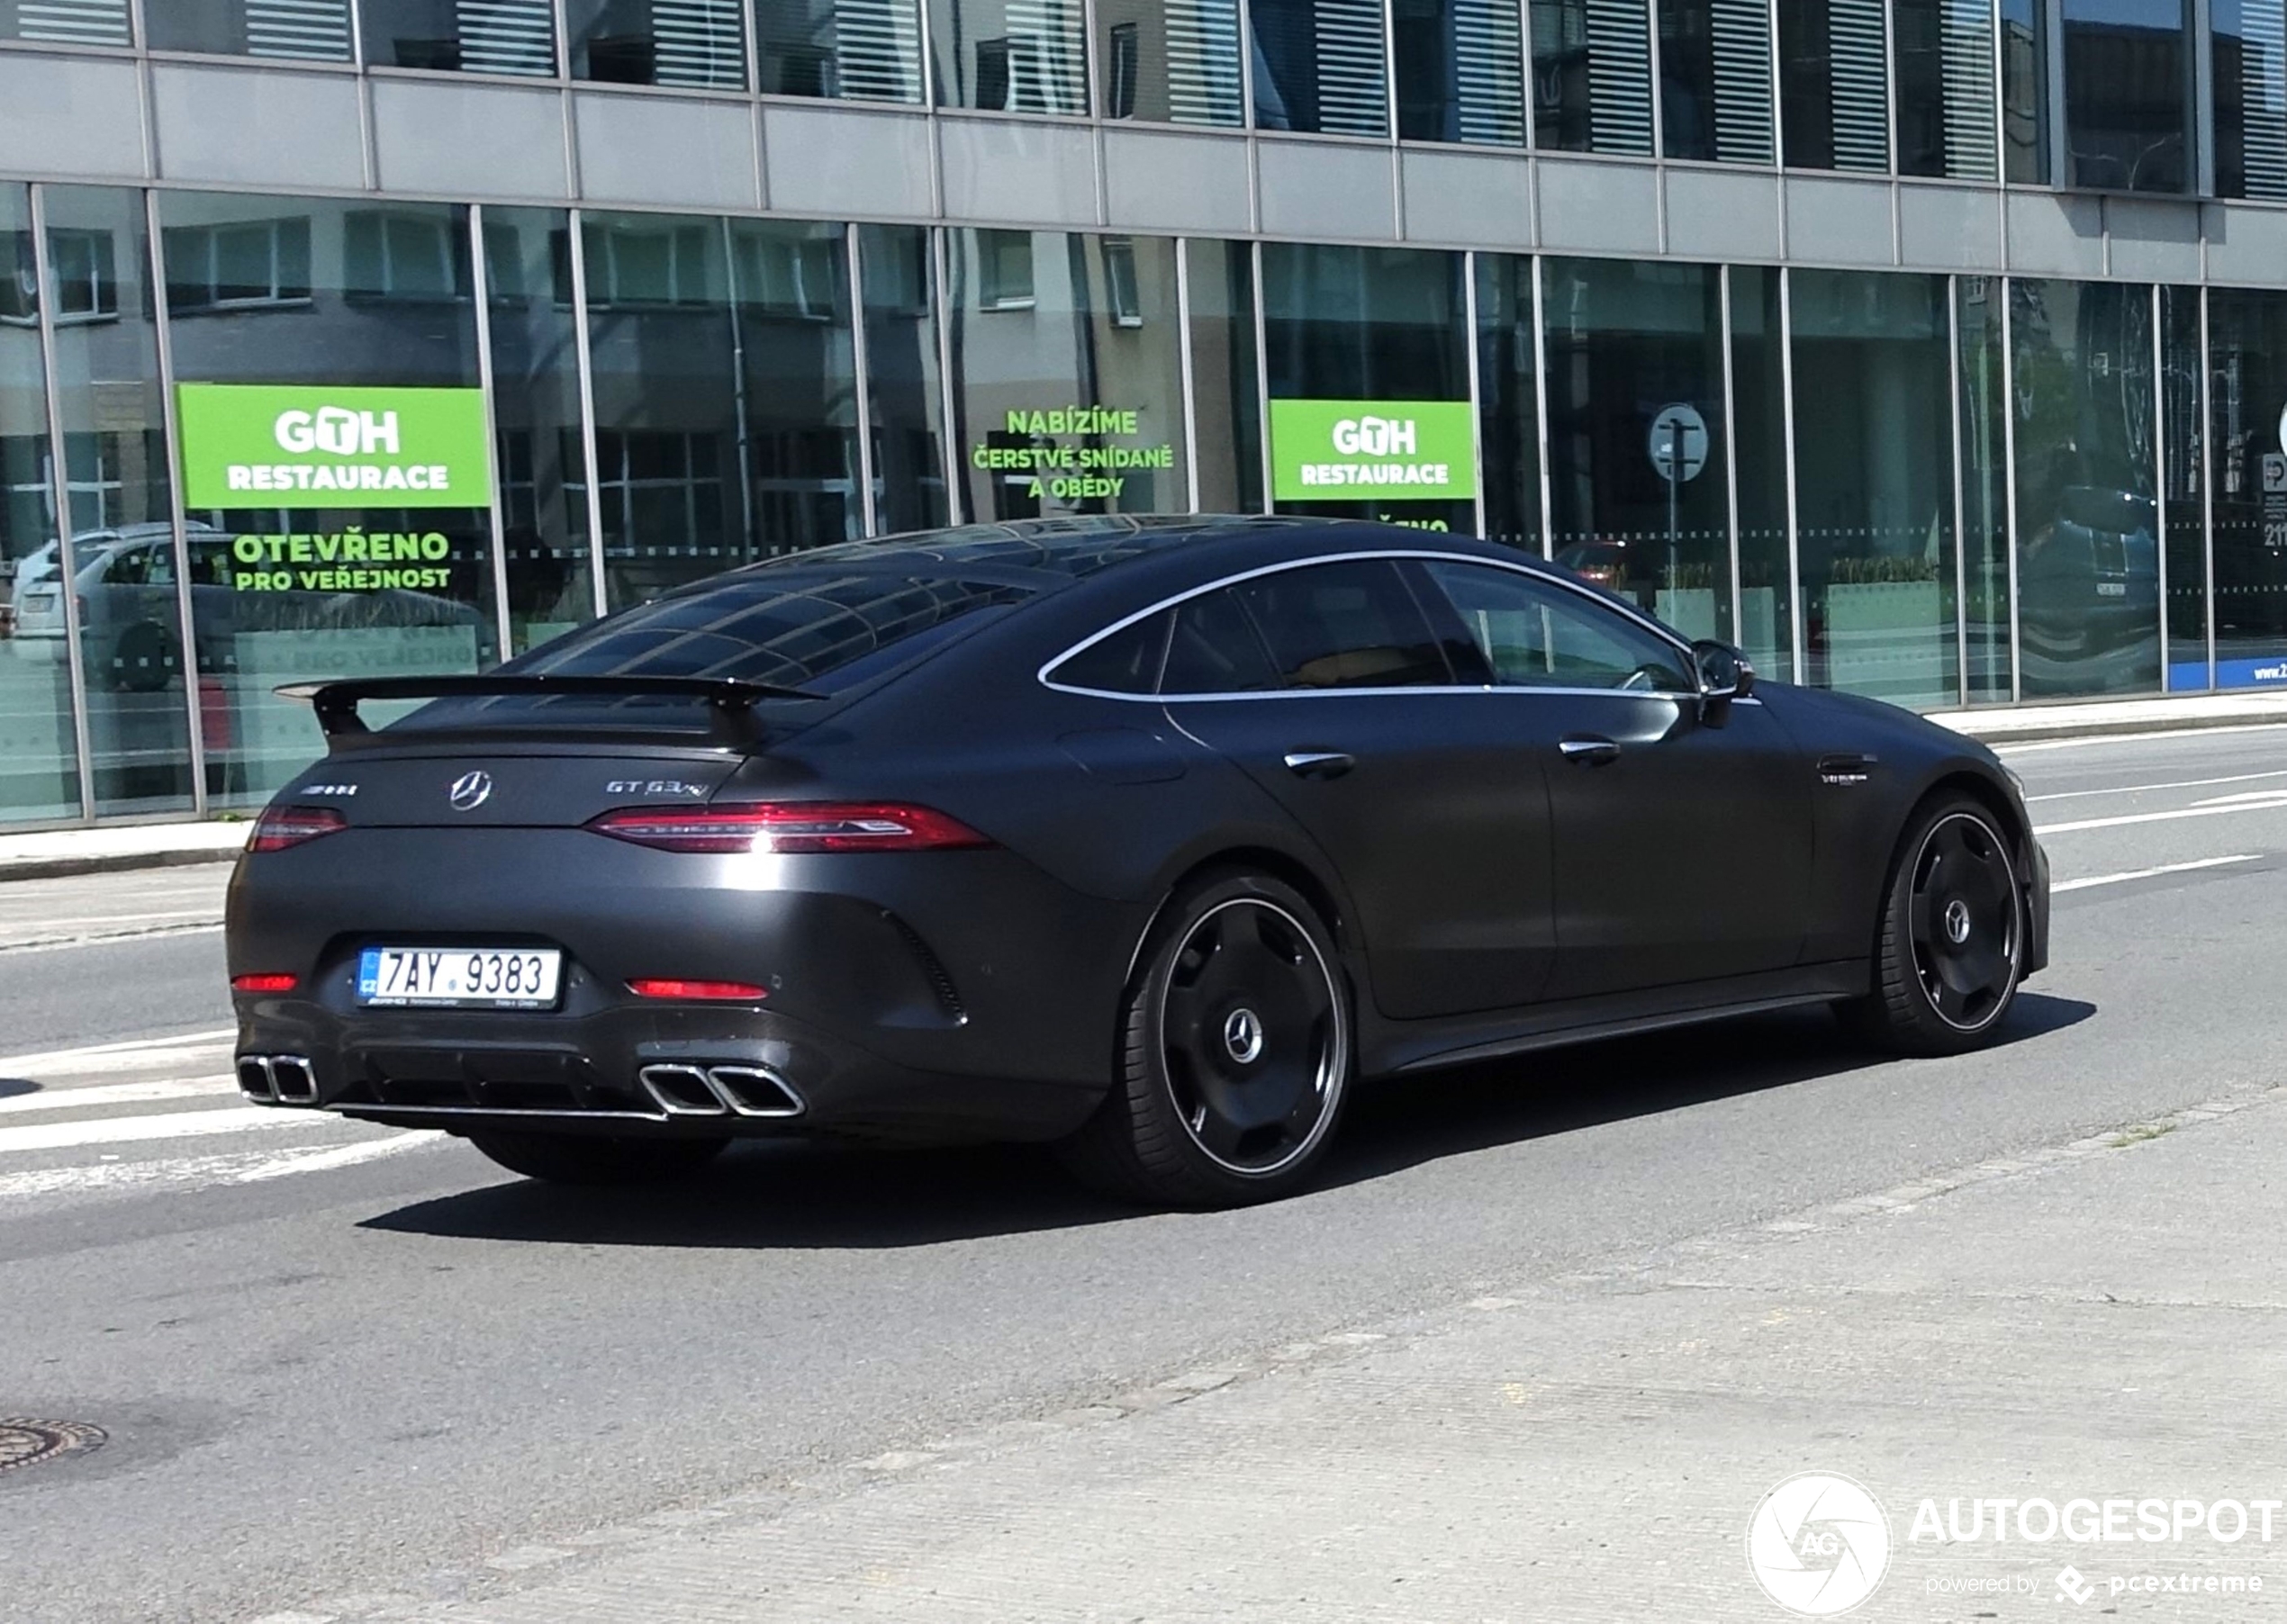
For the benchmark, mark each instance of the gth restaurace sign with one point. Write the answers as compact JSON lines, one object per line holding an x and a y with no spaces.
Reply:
{"x":1372,"y":450}
{"x":317,"y":445}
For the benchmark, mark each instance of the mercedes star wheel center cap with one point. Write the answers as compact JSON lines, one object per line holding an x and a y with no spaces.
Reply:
{"x":1956,"y":922}
{"x":1242,"y":1035}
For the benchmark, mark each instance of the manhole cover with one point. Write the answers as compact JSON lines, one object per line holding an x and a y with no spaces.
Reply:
{"x":27,"y":1443}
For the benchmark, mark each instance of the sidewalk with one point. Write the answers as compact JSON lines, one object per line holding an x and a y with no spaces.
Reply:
{"x":158,"y":845}
{"x":2094,"y":1321}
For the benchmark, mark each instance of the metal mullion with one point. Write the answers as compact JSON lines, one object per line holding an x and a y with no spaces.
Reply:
{"x":1262,"y":382}
{"x":1246,"y":67}
{"x":1541,"y":411}
{"x":1477,"y":384}
{"x":2206,"y":496}
{"x":1999,"y":104}
{"x":1795,"y":594}
{"x":1525,"y":48}
{"x":177,"y":513}
{"x":480,"y":289}
{"x":750,"y":46}
{"x":1186,"y":374}
{"x":1730,"y":453}
{"x":948,"y":447}
{"x":1890,"y":93}
{"x":2009,"y":479}
{"x":2160,"y":477}
{"x":861,"y":380}
{"x":1778,"y":105}
{"x":583,"y":354}
{"x":560,"y":18}
{"x":60,"y":493}
{"x":1390,"y":83}
{"x":1659,"y":114}
{"x":1961,"y":512}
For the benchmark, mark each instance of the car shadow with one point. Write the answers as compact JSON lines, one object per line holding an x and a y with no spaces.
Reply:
{"x":12,"y":1086}
{"x":800,"y":1195}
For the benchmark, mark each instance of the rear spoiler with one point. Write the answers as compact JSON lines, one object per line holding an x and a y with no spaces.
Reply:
{"x":730,"y":704}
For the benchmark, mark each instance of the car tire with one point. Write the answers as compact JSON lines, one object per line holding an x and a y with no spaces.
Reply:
{"x":593,"y":1160}
{"x":145,"y":661}
{"x":1233,"y":1052}
{"x":1950,"y":944}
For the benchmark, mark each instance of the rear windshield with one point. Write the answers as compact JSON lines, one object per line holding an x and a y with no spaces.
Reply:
{"x":824,"y":630}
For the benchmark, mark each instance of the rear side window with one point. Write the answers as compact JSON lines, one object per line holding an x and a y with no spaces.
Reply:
{"x":1214,"y":648}
{"x":1127,"y":662}
{"x":1349,"y":624}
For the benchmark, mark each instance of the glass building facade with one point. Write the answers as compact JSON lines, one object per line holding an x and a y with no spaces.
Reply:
{"x":1930,"y":349}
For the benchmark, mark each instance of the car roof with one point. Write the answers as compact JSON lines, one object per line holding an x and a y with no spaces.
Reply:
{"x":1047,"y":554}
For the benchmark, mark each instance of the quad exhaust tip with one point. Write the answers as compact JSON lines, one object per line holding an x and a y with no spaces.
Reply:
{"x":279,"y":1079}
{"x":687,"y":1090}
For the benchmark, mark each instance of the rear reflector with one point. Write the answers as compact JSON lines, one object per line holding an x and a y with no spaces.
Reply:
{"x":791,"y":826}
{"x":711,"y":992}
{"x":279,"y":827}
{"x":263,"y":983}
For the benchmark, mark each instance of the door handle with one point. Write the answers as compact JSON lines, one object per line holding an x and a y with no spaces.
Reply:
{"x":1588,"y":749}
{"x":1319,"y":763}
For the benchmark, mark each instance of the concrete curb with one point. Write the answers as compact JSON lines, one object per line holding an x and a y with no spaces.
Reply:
{"x":110,"y":863}
{"x":2108,"y":727}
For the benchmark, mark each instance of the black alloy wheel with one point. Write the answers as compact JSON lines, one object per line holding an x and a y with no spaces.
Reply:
{"x":595,"y":1159}
{"x":1234,"y":1052}
{"x":1951,"y":944}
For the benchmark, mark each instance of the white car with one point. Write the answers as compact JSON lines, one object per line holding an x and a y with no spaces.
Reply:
{"x":128,"y":607}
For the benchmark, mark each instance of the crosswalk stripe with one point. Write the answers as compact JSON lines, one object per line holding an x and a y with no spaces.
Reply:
{"x":173,"y":1124}
{"x":114,"y":1056}
{"x":119,"y":1094}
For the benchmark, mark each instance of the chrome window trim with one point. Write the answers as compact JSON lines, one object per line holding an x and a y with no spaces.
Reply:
{"x":1399,"y":553}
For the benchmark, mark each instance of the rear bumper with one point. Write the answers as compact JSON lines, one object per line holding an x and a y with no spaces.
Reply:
{"x":434,"y":1070}
{"x":924,"y":996}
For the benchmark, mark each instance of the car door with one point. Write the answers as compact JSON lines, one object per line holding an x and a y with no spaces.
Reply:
{"x":1326,"y":685}
{"x":1683,"y":847}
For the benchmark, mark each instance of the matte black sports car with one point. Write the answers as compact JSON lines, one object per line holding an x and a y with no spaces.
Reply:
{"x":1148,"y":837}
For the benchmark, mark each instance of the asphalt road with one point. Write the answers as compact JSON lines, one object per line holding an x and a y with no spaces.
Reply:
{"x":332,"y":1359}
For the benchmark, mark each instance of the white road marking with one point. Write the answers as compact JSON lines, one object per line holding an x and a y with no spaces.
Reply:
{"x":2188,"y":783}
{"x":2170,"y":868}
{"x":173,"y":1124}
{"x":50,"y":944}
{"x":206,"y":1171}
{"x":112,"y":1056}
{"x":341,"y":1155}
{"x":2160,"y":817}
{"x":118,"y":1094}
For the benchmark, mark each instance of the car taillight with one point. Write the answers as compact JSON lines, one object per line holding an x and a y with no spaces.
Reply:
{"x":263,"y":983}
{"x":711,"y":992}
{"x":279,"y":827}
{"x":791,"y":826}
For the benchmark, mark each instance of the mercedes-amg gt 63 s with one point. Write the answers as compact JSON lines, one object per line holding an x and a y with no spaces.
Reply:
{"x":1147,"y":837}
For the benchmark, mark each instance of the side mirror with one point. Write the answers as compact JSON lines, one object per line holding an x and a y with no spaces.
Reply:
{"x":1724,"y":675}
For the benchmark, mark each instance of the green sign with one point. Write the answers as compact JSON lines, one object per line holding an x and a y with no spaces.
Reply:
{"x":317,"y":446}
{"x":1071,"y":453}
{"x":1372,"y":450}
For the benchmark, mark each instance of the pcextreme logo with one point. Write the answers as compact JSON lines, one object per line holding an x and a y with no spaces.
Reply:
{"x":260,"y":445}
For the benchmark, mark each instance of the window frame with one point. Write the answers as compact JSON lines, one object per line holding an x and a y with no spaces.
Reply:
{"x":1402,"y":556}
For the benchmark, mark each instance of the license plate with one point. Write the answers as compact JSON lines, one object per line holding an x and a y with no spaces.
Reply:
{"x":459,"y":978}
{"x":2111,"y":589}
